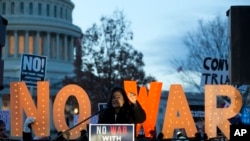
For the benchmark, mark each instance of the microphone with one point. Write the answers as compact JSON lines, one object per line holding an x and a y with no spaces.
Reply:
{"x":67,"y":131}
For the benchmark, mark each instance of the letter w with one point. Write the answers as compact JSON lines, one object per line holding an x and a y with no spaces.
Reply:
{"x":149,"y":100}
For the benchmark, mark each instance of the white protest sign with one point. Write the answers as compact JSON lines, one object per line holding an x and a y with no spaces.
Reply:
{"x":215,"y":71}
{"x":111,"y":132}
{"x":33,"y":68}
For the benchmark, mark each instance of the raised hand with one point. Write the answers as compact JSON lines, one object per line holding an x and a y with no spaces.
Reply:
{"x":27,"y":122}
{"x":132,"y":97}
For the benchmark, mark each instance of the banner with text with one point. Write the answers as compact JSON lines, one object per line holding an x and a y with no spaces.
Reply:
{"x":33,"y":68}
{"x":215,"y":71}
{"x":111,"y":132}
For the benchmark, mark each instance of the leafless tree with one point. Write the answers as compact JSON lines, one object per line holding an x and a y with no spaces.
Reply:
{"x":209,"y":39}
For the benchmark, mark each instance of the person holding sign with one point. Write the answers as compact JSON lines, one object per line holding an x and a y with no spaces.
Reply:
{"x":27,"y":131}
{"x":122,"y":108}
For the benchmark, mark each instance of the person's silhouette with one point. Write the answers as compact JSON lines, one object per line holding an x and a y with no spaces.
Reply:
{"x":160,"y":136}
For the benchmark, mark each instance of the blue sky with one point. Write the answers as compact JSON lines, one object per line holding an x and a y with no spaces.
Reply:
{"x":158,"y":26}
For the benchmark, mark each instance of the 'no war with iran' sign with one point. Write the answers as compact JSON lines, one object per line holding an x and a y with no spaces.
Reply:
{"x":33,"y":68}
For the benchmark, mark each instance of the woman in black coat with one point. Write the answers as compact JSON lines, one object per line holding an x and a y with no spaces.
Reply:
{"x":122,"y":109}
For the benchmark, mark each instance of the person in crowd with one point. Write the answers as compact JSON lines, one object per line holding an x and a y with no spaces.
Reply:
{"x":122,"y":108}
{"x":3,"y":130}
{"x":160,"y":136}
{"x":153,"y":134}
{"x":84,"y":136}
{"x":27,"y":134}
{"x":201,"y":135}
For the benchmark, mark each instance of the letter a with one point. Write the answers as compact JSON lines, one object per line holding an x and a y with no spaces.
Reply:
{"x":237,"y":132}
{"x":178,"y":114}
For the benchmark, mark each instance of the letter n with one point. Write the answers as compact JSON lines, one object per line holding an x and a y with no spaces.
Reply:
{"x":21,"y":99}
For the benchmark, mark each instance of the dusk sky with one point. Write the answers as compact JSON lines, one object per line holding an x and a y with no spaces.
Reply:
{"x":159,"y":27}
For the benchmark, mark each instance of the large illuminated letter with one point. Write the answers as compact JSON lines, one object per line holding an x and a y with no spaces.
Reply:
{"x":178,"y":114}
{"x":59,"y":105}
{"x":21,"y":99}
{"x":149,"y":100}
{"x":219,"y":116}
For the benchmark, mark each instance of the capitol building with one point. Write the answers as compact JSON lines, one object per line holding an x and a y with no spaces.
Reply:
{"x":38,"y":27}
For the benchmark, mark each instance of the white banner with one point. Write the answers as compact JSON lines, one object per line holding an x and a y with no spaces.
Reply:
{"x":215,"y":71}
{"x":111,"y":132}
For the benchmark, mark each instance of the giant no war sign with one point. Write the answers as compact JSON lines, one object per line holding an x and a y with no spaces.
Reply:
{"x":33,"y":68}
{"x":21,"y":100}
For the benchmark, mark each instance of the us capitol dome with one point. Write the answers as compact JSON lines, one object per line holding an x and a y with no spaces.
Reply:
{"x":39,"y":27}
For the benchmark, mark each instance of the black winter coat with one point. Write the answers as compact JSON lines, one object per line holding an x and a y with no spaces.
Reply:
{"x":129,"y":114}
{"x":27,"y":136}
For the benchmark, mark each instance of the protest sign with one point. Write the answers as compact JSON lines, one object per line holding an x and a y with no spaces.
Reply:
{"x":108,"y":132}
{"x":215,"y":71}
{"x":33,"y":68}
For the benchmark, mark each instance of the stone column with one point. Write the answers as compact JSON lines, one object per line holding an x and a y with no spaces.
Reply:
{"x":36,"y":47}
{"x":71,"y":49}
{"x":57,"y":47}
{"x":47,"y":53}
{"x":26,"y":42}
{"x":66,"y":47}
